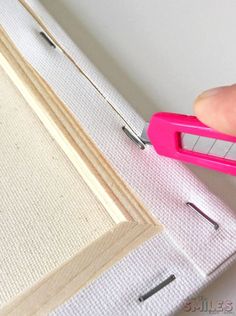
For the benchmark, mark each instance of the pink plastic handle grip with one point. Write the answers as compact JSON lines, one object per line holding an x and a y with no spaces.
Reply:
{"x":164,"y":133}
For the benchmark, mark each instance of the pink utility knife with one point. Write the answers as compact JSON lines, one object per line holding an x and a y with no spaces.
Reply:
{"x":185,"y":138}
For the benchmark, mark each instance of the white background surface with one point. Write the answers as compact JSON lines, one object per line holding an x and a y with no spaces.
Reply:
{"x":160,"y":55}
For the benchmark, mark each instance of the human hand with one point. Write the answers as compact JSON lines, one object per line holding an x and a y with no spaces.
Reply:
{"x":217,"y":109}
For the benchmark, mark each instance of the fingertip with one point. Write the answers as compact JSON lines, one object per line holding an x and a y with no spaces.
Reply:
{"x":199,"y":108}
{"x":217,"y":109}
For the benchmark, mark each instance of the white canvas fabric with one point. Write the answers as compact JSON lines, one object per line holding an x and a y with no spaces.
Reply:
{"x":117,"y":291}
{"x":199,"y":251}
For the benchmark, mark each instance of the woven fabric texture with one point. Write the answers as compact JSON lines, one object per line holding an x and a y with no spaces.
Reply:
{"x":117,"y":291}
{"x":112,"y":294}
{"x":163,"y":185}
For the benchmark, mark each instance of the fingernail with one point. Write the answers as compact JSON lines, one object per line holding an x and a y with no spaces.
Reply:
{"x":211,"y":92}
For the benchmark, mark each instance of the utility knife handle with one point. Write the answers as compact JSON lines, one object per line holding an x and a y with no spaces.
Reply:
{"x":165,"y":131}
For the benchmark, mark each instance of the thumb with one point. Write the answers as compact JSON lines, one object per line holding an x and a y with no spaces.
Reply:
{"x":217,"y":109}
